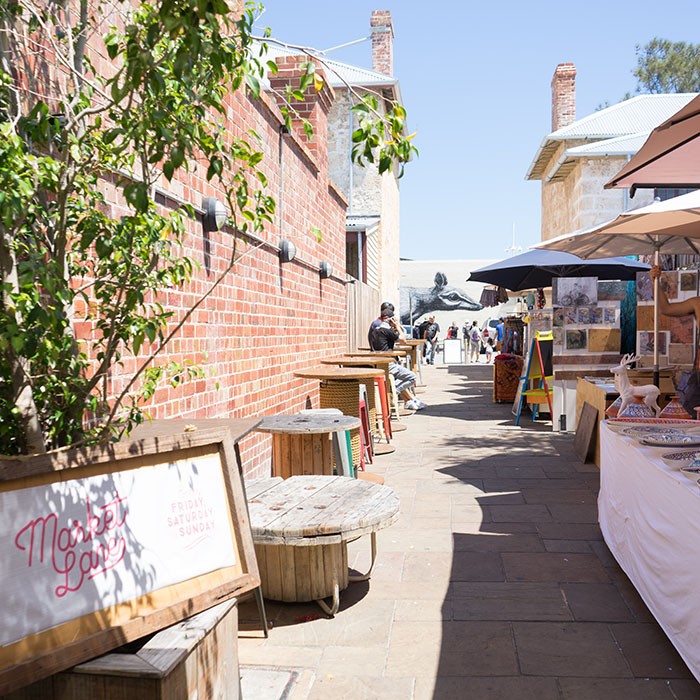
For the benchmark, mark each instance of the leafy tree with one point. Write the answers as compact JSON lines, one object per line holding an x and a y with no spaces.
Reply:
{"x":665,"y":66}
{"x":72,"y":125}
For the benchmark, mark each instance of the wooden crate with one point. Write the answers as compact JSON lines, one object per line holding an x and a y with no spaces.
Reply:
{"x":196,"y":658}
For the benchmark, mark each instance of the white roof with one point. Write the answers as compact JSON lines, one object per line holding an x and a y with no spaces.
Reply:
{"x":639,"y":114}
{"x":619,"y":146}
{"x":337,"y":73}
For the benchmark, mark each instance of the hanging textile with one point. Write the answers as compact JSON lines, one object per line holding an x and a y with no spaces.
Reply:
{"x":489,"y":297}
{"x":501,"y":295}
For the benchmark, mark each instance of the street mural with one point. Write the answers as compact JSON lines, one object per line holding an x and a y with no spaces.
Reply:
{"x":418,"y":301}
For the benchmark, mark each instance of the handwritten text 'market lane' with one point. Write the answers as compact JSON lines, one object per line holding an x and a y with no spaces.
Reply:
{"x":77,"y":551}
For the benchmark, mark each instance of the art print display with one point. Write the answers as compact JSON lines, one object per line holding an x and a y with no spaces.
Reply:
{"x":680,"y":354}
{"x":609,"y":315}
{"x":689,"y":282}
{"x":669,"y":282}
{"x":611,"y":291}
{"x":682,"y":329}
{"x":559,"y":318}
{"x":645,"y":342}
{"x":574,"y":291}
{"x":645,"y":287}
{"x":604,"y":340}
{"x":584,"y":315}
{"x":576,"y":340}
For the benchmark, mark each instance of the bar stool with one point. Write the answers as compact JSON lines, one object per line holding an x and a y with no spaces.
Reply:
{"x":365,"y":436}
{"x":383,"y":421}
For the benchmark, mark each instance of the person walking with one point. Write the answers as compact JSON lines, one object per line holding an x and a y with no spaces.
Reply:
{"x":500,"y":333}
{"x":474,"y":343}
{"x":431,"y":335}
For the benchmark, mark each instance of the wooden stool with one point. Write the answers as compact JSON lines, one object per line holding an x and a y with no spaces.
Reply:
{"x":383,"y":403}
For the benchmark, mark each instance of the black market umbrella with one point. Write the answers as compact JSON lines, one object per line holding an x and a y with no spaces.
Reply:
{"x":537,"y":268}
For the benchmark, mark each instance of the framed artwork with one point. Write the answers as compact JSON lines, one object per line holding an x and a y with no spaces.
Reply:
{"x":682,"y":329}
{"x":680,"y":354}
{"x":559,"y":318}
{"x":571,"y":314}
{"x":645,"y":288}
{"x":558,"y":336}
{"x":689,"y":282}
{"x":645,"y":342}
{"x":574,"y":291}
{"x":576,"y":340}
{"x":584,"y":315}
{"x":597,"y":315}
{"x":609,"y":315}
{"x":669,"y":281}
{"x":116,"y":542}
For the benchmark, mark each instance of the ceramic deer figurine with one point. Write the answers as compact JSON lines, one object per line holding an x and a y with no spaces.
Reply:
{"x":649,"y":393}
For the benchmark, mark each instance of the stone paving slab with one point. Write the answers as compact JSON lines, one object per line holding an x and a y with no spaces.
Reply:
{"x":495,"y":583}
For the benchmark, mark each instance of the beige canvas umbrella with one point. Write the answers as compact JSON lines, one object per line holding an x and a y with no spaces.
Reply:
{"x":670,"y":157}
{"x":672,"y":226}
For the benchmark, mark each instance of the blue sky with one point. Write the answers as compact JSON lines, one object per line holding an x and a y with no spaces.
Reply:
{"x":475,"y":79}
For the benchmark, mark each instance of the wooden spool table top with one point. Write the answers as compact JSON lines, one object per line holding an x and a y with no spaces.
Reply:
{"x":414,"y":342}
{"x":376,"y":353}
{"x":365,"y":361}
{"x":313,"y":510}
{"x":307,"y":423}
{"x":329,"y":372}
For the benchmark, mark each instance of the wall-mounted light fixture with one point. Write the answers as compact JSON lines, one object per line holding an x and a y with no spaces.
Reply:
{"x":325,"y":269}
{"x":288,"y":250}
{"x":215,"y":214}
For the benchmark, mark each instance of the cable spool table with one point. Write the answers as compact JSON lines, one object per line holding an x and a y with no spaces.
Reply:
{"x":340,"y":388}
{"x":413,"y":347}
{"x":301,"y":444}
{"x":301,"y":527}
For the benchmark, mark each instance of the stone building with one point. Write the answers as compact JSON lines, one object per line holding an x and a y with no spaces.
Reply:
{"x":579,"y":156}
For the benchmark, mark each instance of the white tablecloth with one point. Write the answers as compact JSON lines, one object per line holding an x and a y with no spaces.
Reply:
{"x":650,"y":518}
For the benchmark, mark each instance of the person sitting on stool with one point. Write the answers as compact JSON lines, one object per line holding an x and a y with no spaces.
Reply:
{"x":382,"y":338}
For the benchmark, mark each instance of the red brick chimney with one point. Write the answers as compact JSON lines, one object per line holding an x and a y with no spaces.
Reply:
{"x":314,"y":107}
{"x":563,"y":96}
{"x":382,"y":42}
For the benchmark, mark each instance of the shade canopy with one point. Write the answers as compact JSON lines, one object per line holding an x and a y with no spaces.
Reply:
{"x":671,"y":226}
{"x":537,"y":268}
{"x":670,"y":157}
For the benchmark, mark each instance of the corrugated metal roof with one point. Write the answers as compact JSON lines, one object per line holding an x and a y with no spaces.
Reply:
{"x":619,"y":146}
{"x":639,"y":114}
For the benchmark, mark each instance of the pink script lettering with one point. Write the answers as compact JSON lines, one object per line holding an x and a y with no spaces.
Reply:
{"x":77,"y":551}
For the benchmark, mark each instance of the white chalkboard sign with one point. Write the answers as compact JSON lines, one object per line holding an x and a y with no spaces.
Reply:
{"x":104,"y":546}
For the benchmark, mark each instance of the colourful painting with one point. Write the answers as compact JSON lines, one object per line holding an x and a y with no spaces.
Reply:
{"x":645,"y":342}
{"x":645,"y":289}
{"x":576,"y":340}
{"x":609,"y":315}
{"x":596,"y":315}
{"x":669,"y":282}
{"x":612,"y":291}
{"x":682,"y":329}
{"x":689,"y":282}
{"x":584,"y":314}
{"x":559,"y":318}
{"x":558,"y":336}
{"x":571,"y":314}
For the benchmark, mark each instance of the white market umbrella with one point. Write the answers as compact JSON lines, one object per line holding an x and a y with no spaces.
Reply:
{"x":671,"y":226}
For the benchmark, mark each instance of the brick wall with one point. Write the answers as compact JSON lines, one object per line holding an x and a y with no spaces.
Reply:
{"x":382,"y":42}
{"x":266,"y":320}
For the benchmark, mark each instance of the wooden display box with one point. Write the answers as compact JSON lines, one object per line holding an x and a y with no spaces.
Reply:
{"x":197,"y":658}
{"x":640,"y":377}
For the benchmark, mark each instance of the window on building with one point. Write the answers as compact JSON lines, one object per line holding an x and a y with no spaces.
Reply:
{"x":664,"y":193}
{"x":355,"y":255}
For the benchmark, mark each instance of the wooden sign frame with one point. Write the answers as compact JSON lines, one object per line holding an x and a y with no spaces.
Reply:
{"x":584,"y":440}
{"x":210,"y":457}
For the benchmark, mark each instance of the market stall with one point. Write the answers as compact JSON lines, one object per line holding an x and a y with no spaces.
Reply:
{"x":648,"y":516}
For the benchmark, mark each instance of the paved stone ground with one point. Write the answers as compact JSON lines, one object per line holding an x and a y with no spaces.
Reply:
{"x":495,"y":583}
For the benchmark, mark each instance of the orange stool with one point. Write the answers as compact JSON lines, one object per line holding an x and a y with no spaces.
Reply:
{"x":380,"y":384}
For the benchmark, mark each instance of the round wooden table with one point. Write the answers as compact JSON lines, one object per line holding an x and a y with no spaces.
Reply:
{"x":413,"y":346}
{"x":301,"y":527}
{"x":301,"y":444}
{"x":340,"y":388}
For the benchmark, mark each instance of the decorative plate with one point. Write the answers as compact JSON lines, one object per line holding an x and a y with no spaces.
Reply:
{"x":691,"y":472}
{"x":670,"y":440}
{"x":637,"y":430}
{"x":677,"y":460}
